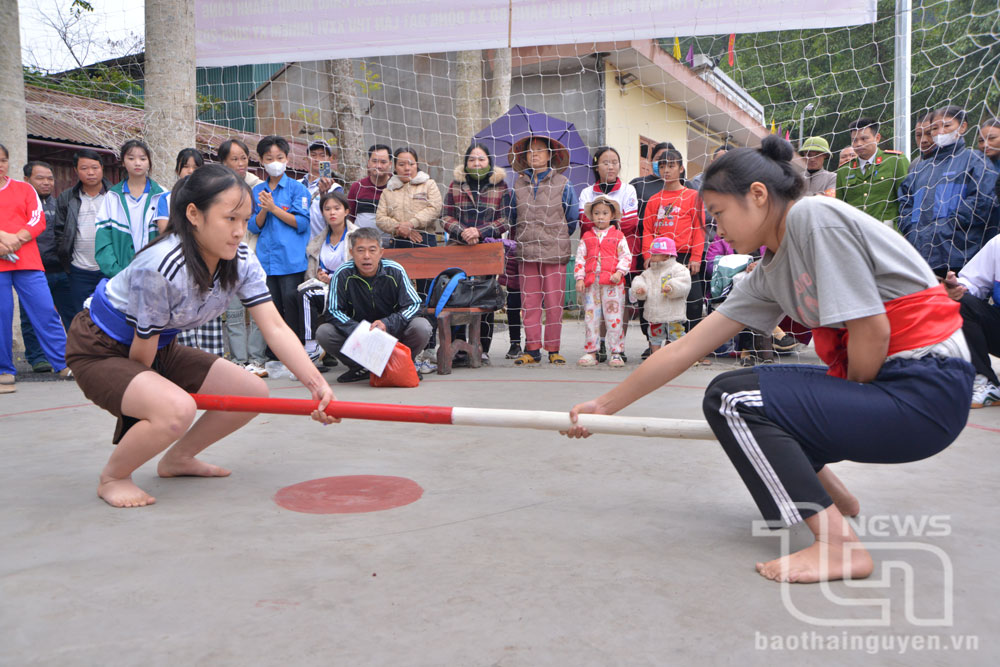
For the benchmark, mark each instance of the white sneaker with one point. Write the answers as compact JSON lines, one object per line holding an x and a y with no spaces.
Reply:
{"x":259,"y":371}
{"x":424,"y":366}
{"x":984,"y":393}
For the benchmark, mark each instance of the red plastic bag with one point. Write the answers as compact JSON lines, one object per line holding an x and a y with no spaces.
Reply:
{"x":399,"y":372}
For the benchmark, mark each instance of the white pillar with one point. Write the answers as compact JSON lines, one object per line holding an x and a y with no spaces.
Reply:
{"x":902,"y":82}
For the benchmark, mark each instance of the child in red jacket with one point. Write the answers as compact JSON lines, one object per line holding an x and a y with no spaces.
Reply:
{"x":678,"y":213}
{"x":602,"y":261}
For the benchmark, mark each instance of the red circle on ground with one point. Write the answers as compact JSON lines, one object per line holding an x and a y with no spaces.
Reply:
{"x":349,"y":494}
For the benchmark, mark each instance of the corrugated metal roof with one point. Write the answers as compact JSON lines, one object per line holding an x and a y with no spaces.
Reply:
{"x":77,"y":120}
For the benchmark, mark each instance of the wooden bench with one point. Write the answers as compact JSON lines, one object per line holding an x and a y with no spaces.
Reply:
{"x":482,"y":259}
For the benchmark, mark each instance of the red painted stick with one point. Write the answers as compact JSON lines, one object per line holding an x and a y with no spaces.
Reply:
{"x":430,"y":414}
{"x":424,"y":414}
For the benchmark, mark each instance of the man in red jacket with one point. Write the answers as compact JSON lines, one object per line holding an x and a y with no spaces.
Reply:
{"x":21,"y":221}
{"x":677,"y":212}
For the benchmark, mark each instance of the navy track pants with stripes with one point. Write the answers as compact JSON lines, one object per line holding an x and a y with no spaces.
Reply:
{"x":781,"y":424}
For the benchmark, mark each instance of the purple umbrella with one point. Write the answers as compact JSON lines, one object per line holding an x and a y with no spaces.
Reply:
{"x":519,"y":123}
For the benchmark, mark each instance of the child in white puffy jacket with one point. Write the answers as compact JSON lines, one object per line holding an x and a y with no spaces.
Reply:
{"x":664,"y":286}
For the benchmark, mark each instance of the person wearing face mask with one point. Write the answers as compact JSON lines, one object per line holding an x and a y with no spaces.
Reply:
{"x":477,"y":209}
{"x":922,"y":138}
{"x":870,"y":180}
{"x":281,"y":217}
{"x":946,"y":204}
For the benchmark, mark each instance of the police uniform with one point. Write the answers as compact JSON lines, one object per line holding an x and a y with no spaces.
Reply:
{"x":874,"y":191}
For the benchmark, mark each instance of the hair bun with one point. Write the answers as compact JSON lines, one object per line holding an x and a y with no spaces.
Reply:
{"x":775,"y":148}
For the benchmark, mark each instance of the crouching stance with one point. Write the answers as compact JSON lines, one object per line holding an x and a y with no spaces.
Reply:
{"x":123,"y":353}
{"x":898,"y":383}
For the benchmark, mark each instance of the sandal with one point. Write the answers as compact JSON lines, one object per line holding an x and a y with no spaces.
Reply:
{"x":616,"y":361}
{"x":587,"y":360}
{"x":527,"y":359}
{"x":557,"y":359}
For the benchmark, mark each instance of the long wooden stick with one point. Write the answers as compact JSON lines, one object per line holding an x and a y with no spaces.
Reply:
{"x":431,"y":414}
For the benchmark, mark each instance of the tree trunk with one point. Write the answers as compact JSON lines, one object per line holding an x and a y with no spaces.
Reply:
{"x":171,"y":102}
{"x":500,"y":84}
{"x":14,"y":132}
{"x":468,"y":98}
{"x":350,"y":137}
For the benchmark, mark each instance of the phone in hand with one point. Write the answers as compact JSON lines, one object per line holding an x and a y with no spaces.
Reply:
{"x":325,"y":169}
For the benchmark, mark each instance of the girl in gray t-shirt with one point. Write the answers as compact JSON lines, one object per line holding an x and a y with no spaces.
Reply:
{"x":123,"y":353}
{"x":898,"y":383}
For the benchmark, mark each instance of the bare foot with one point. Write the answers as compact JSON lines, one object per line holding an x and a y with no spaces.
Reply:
{"x":820,"y":562}
{"x":123,"y":493}
{"x":845,"y":501}
{"x":191,"y":467}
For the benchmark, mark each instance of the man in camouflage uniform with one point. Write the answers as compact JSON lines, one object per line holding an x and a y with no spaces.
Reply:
{"x":871,"y":180}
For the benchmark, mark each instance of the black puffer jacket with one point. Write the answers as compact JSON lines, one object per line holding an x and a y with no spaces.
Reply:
{"x":67,"y":211}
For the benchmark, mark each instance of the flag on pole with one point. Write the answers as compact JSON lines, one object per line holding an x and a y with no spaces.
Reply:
{"x":732,"y":49}
{"x":774,"y":128}
{"x":677,"y":48}
{"x":690,"y":56}
{"x":788,"y":135}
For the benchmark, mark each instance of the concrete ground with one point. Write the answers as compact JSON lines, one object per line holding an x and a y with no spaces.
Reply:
{"x":525,"y":549}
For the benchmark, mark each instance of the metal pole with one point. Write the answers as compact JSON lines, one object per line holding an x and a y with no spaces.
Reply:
{"x":802,"y":123}
{"x":902,"y":82}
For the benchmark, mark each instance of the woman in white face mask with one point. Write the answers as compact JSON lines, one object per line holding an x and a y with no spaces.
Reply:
{"x":948,"y":204}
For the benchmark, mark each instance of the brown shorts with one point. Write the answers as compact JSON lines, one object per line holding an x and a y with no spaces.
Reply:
{"x":103,"y":370}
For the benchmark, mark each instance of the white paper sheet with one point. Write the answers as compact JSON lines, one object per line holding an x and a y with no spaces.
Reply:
{"x":369,"y":347}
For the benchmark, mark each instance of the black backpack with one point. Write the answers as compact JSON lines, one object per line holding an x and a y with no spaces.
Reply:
{"x":453,"y":289}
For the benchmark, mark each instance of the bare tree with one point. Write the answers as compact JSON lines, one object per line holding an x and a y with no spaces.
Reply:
{"x":75,"y":26}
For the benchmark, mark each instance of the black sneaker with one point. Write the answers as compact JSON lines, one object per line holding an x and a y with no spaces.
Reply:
{"x":602,"y":353}
{"x":649,"y":351}
{"x":329,"y":361}
{"x":786,"y":343}
{"x":515,"y":351}
{"x":355,"y":375}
